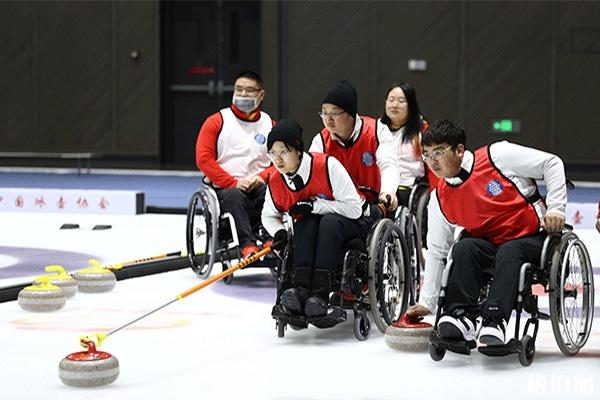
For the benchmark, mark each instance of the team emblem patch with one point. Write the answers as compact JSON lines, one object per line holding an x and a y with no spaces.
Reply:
{"x":494,"y":188}
{"x":260,"y":138}
{"x":367,"y":158}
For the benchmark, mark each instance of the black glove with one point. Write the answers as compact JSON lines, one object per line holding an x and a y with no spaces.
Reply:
{"x":377,"y":211}
{"x":279,"y":240}
{"x":303,"y":207}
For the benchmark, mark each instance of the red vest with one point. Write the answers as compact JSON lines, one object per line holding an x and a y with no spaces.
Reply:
{"x":487,"y":204}
{"x":318,"y":185}
{"x":359,"y":157}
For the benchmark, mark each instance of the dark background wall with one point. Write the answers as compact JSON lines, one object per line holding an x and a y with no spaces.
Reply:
{"x":68,"y":81}
{"x":71,"y":79}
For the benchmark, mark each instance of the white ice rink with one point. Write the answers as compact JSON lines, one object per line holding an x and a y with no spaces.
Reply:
{"x":221,"y":342}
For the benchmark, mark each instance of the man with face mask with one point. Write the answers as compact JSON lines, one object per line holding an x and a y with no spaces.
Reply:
{"x":231,"y":151}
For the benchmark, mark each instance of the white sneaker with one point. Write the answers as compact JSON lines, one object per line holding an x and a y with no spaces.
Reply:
{"x":461,"y":328}
{"x":493,"y":333}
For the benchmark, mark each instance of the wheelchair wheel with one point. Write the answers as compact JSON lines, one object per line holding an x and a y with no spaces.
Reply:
{"x":527,"y":351}
{"x":201,"y":231}
{"x":436,"y":353}
{"x":414,"y":253}
{"x":229,"y":278}
{"x":362,"y":326}
{"x":571,"y":294}
{"x":418,"y":207}
{"x":388,"y":286}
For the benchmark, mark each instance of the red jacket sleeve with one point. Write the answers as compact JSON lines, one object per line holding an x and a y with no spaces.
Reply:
{"x":206,"y":152}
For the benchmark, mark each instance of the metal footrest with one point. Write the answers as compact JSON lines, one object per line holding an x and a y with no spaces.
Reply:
{"x":511,"y":347}
{"x":455,"y":346}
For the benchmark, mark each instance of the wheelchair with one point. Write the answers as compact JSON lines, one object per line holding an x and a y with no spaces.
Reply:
{"x":212,"y":237}
{"x":373,"y":279}
{"x":412,"y":221}
{"x":565,"y":272}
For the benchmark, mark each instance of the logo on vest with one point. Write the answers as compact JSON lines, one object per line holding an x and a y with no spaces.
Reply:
{"x":494,"y":188}
{"x":367,"y":158}
{"x":322,"y":196}
{"x":260,"y":138}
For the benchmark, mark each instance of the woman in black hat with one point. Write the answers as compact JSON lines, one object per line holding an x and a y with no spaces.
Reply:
{"x":326,"y":208}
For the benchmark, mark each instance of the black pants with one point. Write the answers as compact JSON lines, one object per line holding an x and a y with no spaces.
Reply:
{"x":242,"y":206}
{"x":471,"y":256}
{"x":320,"y":242}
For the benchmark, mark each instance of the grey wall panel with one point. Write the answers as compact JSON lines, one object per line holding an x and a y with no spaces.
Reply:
{"x":508,"y":70}
{"x":138,"y":78}
{"x":327,"y":41}
{"x":16,"y":89}
{"x":74,"y":75}
{"x":578,"y":82}
{"x":424,"y":31}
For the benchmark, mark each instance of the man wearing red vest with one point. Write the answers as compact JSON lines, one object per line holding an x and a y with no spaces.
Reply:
{"x":365,"y":149}
{"x":327,"y":208}
{"x":492,"y":194}
{"x":231,"y":151}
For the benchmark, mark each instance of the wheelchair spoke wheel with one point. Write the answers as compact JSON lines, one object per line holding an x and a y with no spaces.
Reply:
{"x":387,"y":272}
{"x":414,"y":253}
{"x":200,"y":232}
{"x":571,"y":294}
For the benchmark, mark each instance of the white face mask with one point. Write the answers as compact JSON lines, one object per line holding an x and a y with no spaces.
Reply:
{"x":245,"y":104}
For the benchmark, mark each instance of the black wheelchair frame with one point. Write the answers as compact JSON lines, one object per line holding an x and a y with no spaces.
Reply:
{"x":212,"y":237}
{"x":564,"y":258}
{"x":378,"y":265}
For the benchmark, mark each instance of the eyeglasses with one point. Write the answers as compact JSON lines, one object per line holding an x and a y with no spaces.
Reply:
{"x":435,"y":155}
{"x":279,"y":155}
{"x":334,"y":115}
{"x":252,"y":91}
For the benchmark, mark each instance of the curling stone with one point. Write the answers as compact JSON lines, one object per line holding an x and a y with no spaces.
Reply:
{"x":408,"y":334}
{"x":95,"y":279}
{"x":88,"y":368}
{"x":60,"y":279}
{"x":42,"y":297}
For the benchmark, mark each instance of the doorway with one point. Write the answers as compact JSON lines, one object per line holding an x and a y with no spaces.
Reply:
{"x":205,"y":44}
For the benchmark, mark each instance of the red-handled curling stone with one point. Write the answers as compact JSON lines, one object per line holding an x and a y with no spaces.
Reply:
{"x":88,"y":368}
{"x":408,"y":334}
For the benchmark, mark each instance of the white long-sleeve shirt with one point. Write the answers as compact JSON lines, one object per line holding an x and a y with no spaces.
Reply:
{"x":385,"y":155}
{"x":523,"y":166}
{"x":410,"y":165}
{"x":347,"y":201}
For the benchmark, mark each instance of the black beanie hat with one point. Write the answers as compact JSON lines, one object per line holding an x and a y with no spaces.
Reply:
{"x":289,"y":132}
{"x":343,"y":95}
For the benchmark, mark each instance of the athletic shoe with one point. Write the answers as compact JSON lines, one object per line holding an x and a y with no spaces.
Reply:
{"x":248,"y":250}
{"x":461,"y":328}
{"x":293,"y":300}
{"x":315,"y":307}
{"x":493,"y":333}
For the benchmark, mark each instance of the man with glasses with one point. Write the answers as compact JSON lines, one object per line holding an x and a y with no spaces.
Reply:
{"x":231,"y":152}
{"x":492,"y":194}
{"x":363,"y":148}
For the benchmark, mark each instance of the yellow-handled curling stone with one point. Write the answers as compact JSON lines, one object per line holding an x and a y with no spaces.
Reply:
{"x":59,"y":277}
{"x":95,"y":279}
{"x":42,"y":297}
